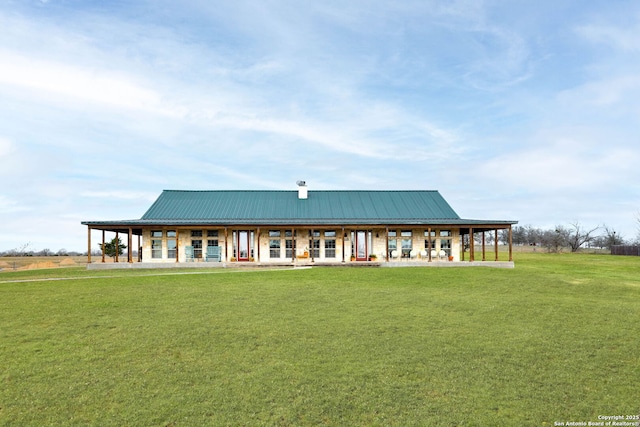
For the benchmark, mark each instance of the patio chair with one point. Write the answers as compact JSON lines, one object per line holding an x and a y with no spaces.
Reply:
{"x":434,"y":254}
{"x":213,"y":253}
{"x":188,"y":254}
{"x":442,"y":254}
{"x":394,"y":254}
{"x":413,"y":254}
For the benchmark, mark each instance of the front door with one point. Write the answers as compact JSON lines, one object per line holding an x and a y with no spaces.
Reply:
{"x":243,"y":246}
{"x":361,"y":246}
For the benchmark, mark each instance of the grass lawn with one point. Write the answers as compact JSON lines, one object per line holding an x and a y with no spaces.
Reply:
{"x":556,"y":339}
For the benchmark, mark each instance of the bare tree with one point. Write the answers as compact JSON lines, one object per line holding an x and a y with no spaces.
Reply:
{"x":555,"y":240}
{"x":611,"y":237}
{"x":579,"y":236}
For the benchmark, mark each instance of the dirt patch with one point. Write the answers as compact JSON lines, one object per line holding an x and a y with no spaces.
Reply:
{"x":37,"y":265}
{"x":67,"y":261}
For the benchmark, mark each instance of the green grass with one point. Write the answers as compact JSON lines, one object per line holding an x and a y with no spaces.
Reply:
{"x":555,"y":339}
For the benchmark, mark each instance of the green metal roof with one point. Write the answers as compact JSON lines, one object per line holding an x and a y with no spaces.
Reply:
{"x":286,"y":207}
{"x":178,"y":207}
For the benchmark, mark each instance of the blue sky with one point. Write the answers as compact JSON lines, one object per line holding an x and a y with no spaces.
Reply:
{"x":517,"y":110}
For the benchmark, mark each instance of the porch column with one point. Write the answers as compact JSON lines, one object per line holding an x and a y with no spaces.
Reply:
{"x":311,"y":247}
{"x":483,"y":247}
{"x":117,"y":246}
{"x":293,"y":245}
{"x":510,"y":243}
{"x":258,"y":242}
{"x":130,"y":242}
{"x":495,"y":242}
{"x":103,"y":245}
{"x":177,"y":244}
{"x":471,"y":245}
{"x":139,"y":247}
{"x":429,"y":244}
{"x":88,"y":244}
{"x":226,"y":244}
{"x":342,"y":236}
{"x":386,"y":230}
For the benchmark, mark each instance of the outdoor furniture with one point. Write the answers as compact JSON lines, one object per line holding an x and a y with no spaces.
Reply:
{"x":213,"y":253}
{"x":423,"y":254}
{"x":434,"y":254}
{"x":443,"y":254}
{"x":413,"y":253}
{"x":394,"y":254}
{"x":188,"y":254}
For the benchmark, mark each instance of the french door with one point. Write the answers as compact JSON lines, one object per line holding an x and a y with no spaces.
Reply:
{"x":243,"y":246}
{"x":362,"y":250}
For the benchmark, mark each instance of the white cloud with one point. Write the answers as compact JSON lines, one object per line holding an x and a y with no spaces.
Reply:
{"x":91,"y":85}
{"x":622,"y":38}
{"x":11,"y":206}
{"x":6,"y":147}
{"x":119,"y":194}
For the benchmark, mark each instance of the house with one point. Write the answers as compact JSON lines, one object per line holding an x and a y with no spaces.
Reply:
{"x":301,"y":227}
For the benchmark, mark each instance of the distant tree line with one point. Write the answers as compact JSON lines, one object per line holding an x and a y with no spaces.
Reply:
{"x":25,"y":251}
{"x":572,"y":237}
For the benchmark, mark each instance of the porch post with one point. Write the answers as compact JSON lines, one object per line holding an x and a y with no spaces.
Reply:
{"x":177,"y":244}
{"x":293,"y":245}
{"x":471,"y":245}
{"x":88,"y":244}
{"x":495,"y":242}
{"x":311,"y":247}
{"x":130,"y":241}
{"x":429,"y":244}
{"x":342,"y":237}
{"x":117,"y":246}
{"x":483,"y":247}
{"x":258,"y":242}
{"x":510,"y":243}
{"x":386,"y":230}
{"x":226,"y":244}
{"x":102,"y":245}
{"x":139,"y":247}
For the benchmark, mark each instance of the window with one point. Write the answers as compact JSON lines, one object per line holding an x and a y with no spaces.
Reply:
{"x":393,"y":246}
{"x":196,"y":233}
{"x":212,"y":233}
{"x":171,"y":233}
{"x":156,"y":248}
{"x":315,"y":248}
{"x":289,"y":248}
{"x":274,"y":243}
{"x":405,"y":233}
{"x":329,"y":244}
{"x":171,"y":248}
{"x":406,"y":248}
{"x":212,"y":242}
{"x":156,"y":233}
{"x":392,"y":234}
{"x":445,"y":244}
{"x":330,"y":248}
{"x":197,"y":248}
{"x":430,"y":238}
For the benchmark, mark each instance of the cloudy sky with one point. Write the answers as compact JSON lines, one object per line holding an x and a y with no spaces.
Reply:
{"x":522,"y":110}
